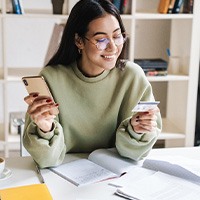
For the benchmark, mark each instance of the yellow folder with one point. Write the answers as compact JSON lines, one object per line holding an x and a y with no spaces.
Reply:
{"x":28,"y":192}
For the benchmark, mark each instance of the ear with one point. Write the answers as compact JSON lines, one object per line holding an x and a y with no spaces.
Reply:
{"x":78,"y":41}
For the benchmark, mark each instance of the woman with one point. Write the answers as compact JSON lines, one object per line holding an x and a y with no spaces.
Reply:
{"x":95,"y":91}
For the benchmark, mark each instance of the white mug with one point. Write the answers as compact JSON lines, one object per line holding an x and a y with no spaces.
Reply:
{"x":2,"y":165}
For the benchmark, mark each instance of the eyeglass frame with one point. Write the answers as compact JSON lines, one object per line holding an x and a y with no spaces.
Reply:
{"x":124,"y":35}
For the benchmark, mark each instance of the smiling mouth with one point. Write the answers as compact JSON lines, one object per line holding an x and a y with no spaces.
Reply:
{"x":109,"y":57}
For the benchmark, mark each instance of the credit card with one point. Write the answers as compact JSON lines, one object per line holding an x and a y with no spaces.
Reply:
{"x":144,"y":106}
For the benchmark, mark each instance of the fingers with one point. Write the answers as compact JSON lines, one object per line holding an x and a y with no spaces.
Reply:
{"x":38,"y":103}
{"x":42,"y":107}
{"x":34,"y":96}
{"x":145,"y":122}
{"x":155,"y":110}
{"x":30,"y":98}
{"x":44,"y":116}
{"x":42,"y":110}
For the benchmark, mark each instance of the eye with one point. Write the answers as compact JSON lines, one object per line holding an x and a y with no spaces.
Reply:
{"x":118,"y":36}
{"x":102,"y":40}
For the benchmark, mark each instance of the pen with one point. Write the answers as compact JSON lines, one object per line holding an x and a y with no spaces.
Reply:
{"x":168,"y":52}
{"x":39,"y":173}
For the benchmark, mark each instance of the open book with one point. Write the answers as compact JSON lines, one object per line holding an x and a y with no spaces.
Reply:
{"x":102,"y":164}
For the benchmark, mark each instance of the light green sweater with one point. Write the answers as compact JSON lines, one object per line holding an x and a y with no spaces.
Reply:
{"x":94,"y":113}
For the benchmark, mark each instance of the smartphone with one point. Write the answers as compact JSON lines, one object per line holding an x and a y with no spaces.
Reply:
{"x":37,"y":84}
{"x":144,"y":106}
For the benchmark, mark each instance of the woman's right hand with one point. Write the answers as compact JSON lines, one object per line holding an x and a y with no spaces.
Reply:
{"x":42,"y":110}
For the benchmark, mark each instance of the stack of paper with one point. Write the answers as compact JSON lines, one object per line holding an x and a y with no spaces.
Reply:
{"x":160,"y":186}
{"x":162,"y":178}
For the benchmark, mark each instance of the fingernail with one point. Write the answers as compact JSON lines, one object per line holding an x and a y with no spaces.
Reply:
{"x":56,"y":104}
{"x":48,"y":100}
{"x":35,"y":95}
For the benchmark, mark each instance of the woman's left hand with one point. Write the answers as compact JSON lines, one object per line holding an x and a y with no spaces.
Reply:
{"x":145,"y":122}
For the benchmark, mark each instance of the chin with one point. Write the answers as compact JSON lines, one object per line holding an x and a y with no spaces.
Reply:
{"x":110,"y":65}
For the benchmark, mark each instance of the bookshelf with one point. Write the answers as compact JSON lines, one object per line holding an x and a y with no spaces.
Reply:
{"x":24,"y":40}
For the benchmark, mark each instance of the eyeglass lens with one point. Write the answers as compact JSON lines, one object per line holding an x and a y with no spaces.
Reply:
{"x":102,"y":44}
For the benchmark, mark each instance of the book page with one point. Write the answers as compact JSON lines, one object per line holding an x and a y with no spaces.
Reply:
{"x":111,"y":160}
{"x":137,"y":173}
{"x":82,"y":172}
{"x":177,"y":166}
{"x":160,"y":186}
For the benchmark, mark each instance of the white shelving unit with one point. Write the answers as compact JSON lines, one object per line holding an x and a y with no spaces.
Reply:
{"x":24,"y":41}
{"x":154,"y":33}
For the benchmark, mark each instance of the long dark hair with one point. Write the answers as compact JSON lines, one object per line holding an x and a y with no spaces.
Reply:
{"x":81,"y":15}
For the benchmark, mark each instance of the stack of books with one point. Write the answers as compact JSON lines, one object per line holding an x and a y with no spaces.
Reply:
{"x":153,"y":67}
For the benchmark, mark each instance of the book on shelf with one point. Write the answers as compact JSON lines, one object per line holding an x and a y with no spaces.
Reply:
{"x":171,"y":6}
{"x":176,"y":176}
{"x":21,"y":6}
{"x":188,"y":6}
{"x":97,"y":167}
{"x":117,"y":4}
{"x":163,"y":6}
{"x":27,"y":192}
{"x":124,"y":6}
{"x":9,"y":7}
{"x":177,"y":6}
{"x":57,"y":6}
{"x":17,"y":7}
{"x":156,"y":72}
{"x":151,"y":63}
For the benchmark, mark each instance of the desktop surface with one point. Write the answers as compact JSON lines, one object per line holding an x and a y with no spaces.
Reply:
{"x":24,"y":173}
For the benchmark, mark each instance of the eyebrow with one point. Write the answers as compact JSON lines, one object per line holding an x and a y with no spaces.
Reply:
{"x":102,"y":33}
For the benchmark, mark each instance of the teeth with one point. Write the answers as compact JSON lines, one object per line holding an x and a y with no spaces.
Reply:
{"x":109,"y":57}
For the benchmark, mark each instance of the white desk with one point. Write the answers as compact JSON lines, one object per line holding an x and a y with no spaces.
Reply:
{"x":24,"y":172}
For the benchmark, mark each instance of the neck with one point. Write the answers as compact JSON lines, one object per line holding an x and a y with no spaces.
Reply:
{"x":88,"y":73}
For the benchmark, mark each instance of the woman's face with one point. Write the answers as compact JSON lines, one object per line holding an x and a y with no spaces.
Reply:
{"x":101,"y":31}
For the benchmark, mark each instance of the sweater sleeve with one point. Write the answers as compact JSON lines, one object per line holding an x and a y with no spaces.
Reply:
{"x":133,"y":145}
{"x":129,"y":143}
{"x":47,"y":149}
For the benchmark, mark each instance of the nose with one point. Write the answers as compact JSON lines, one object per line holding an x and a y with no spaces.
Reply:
{"x":111,"y":45}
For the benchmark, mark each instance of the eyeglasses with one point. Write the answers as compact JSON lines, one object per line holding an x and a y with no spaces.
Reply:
{"x":102,"y":44}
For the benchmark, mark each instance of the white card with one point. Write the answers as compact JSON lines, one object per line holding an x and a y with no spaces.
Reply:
{"x":144,"y":106}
